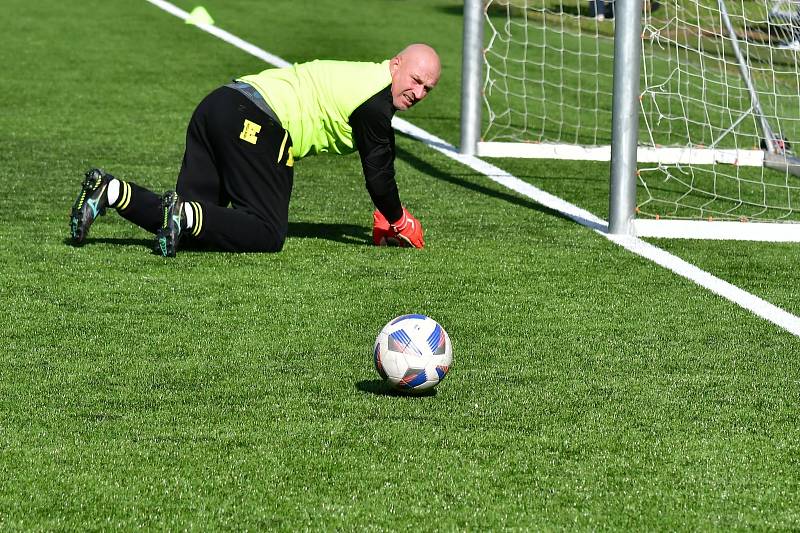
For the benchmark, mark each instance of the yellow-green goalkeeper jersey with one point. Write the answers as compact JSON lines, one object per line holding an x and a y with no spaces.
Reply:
{"x":315,"y":100}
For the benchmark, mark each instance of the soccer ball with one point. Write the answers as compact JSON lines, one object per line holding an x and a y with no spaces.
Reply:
{"x":413,"y":353}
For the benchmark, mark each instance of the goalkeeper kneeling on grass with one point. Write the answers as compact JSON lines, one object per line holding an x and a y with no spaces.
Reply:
{"x":233,"y":189}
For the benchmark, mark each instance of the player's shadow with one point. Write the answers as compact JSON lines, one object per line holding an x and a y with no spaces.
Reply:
{"x":120,"y":241}
{"x":426,"y":168}
{"x":505,"y":9}
{"x":345,"y":233}
{"x":381,"y":388}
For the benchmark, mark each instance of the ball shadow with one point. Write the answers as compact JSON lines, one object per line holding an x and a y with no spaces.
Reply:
{"x":381,"y":388}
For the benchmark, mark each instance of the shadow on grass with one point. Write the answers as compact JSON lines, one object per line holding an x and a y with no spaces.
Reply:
{"x":505,"y":10}
{"x":426,"y":168}
{"x":381,"y":388}
{"x":127,"y":241}
{"x":346,"y":233}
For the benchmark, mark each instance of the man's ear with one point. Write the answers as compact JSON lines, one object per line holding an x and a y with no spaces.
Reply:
{"x":394,"y":64}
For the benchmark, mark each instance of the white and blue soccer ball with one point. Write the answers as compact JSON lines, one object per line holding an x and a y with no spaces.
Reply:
{"x":413,"y":353}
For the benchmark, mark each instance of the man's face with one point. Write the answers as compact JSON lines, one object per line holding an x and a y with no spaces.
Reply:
{"x":414,"y":75}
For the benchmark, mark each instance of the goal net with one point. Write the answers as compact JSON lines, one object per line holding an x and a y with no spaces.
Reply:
{"x":719,"y":99}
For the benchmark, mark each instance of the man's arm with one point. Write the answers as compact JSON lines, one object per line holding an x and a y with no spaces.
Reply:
{"x":374,"y":138}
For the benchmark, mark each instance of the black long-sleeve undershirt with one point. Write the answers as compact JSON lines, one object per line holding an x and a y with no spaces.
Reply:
{"x":374,"y":139}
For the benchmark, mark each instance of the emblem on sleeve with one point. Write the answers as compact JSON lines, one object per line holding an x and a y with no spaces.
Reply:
{"x":249,"y":132}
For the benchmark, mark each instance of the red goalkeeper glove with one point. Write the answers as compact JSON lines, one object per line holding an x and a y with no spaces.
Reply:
{"x":404,"y":232}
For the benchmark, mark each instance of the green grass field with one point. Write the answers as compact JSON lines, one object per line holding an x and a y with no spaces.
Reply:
{"x":590,"y":390}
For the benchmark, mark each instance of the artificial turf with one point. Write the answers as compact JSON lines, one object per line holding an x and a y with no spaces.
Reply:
{"x":590,"y":389}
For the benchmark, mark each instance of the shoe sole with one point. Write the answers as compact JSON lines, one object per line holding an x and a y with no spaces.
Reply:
{"x":166,"y":245}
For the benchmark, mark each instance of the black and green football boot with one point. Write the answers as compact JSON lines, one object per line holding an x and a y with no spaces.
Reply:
{"x":91,"y":203}
{"x":173,"y":223}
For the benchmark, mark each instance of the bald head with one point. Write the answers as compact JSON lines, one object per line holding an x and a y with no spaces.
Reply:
{"x":415,"y":71}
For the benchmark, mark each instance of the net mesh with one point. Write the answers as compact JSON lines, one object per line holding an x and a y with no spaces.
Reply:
{"x":549,"y":79}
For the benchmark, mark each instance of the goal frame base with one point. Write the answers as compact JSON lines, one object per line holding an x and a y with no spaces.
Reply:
{"x":645,"y":154}
{"x":717,"y":230}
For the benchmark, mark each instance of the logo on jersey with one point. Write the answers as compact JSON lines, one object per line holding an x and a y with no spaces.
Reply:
{"x":249,"y":132}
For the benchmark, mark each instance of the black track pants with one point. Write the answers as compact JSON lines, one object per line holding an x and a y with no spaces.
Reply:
{"x":238,"y":167}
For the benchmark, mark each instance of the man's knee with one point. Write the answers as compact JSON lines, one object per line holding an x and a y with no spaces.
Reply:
{"x":270,"y":241}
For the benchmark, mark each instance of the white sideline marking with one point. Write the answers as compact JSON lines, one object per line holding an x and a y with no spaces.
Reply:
{"x":752,"y":303}
{"x":581,"y":216}
{"x":224,"y":35}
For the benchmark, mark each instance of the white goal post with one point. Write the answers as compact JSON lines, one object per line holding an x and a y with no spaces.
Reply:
{"x":696,"y":103}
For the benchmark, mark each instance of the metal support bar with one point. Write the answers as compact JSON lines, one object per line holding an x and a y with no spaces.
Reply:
{"x":625,"y":116}
{"x":769,"y":136}
{"x":471,"y":76}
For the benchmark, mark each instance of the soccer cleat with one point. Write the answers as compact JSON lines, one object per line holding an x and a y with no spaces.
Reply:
{"x":174,"y":222}
{"x":91,"y":203}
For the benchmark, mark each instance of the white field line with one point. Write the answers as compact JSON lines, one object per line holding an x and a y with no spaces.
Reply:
{"x":224,"y":35}
{"x":752,"y":303}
